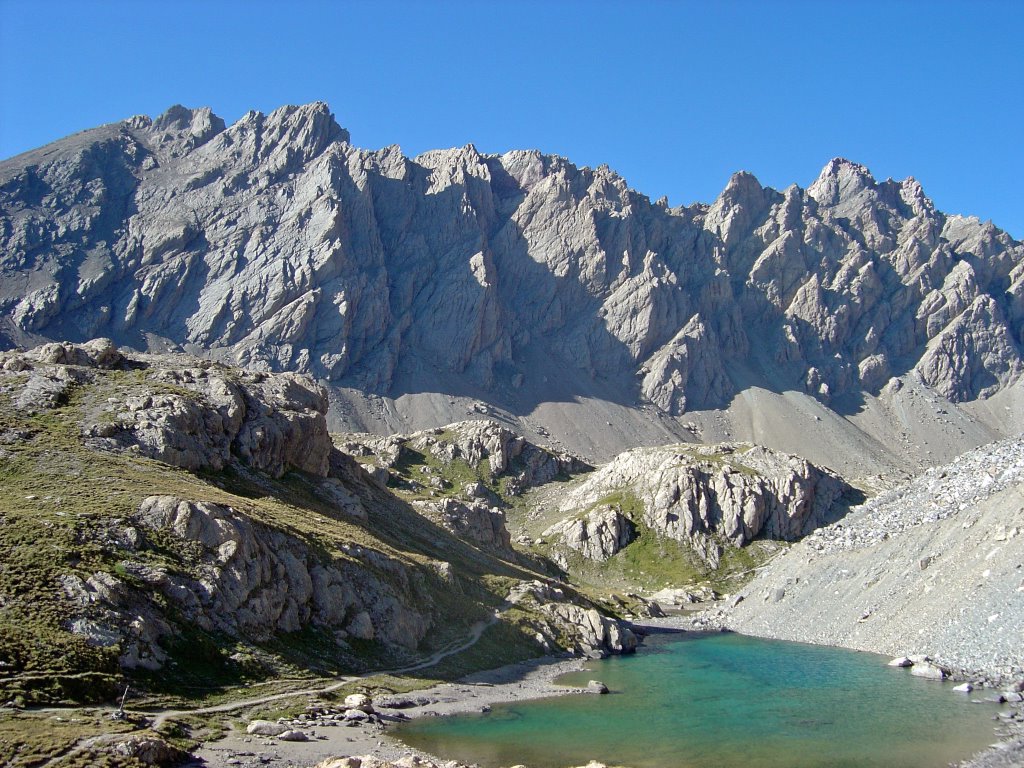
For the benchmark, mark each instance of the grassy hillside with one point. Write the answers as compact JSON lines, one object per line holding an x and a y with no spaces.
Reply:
{"x":63,"y":506}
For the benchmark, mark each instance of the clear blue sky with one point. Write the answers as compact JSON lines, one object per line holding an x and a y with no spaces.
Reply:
{"x":674,"y":96}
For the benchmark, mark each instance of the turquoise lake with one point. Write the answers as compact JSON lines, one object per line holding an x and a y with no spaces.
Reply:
{"x":725,"y":701}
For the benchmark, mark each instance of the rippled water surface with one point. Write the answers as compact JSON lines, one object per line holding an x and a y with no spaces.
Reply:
{"x":726,"y":701}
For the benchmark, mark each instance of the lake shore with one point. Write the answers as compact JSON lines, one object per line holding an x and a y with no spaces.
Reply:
{"x":475,"y":693}
{"x":516,"y":682}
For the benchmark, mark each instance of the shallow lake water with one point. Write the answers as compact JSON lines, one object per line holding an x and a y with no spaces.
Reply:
{"x":725,"y":701}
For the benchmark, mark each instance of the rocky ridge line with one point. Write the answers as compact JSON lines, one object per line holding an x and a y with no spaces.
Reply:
{"x":276,"y":243}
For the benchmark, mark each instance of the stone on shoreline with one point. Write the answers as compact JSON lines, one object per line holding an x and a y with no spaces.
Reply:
{"x":265,"y":728}
{"x":596,"y":686}
{"x":928,"y":671}
{"x":901,"y":661}
{"x":359,"y":701}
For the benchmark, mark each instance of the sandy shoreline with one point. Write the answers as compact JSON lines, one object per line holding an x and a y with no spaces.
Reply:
{"x":516,"y":682}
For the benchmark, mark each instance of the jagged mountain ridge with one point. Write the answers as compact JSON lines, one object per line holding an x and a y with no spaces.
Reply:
{"x":516,"y":278}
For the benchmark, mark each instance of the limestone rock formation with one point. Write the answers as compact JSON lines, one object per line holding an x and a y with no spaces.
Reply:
{"x":186,"y":412}
{"x":272,"y":423}
{"x":248,"y":581}
{"x":694,"y":494}
{"x":276,"y":243}
{"x":506,"y":452}
{"x":492,"y":450}
{"x":597,"y":535}
{"x":476,"y":522}
{"x":567,"y":622}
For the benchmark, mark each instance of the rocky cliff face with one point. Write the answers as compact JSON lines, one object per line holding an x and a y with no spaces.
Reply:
{"x":276,"y":243}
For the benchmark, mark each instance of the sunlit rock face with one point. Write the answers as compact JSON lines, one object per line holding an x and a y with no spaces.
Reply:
{"x":276,"y":243}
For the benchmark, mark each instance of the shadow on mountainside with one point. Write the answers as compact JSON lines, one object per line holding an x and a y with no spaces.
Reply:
{"x":445,"y":275}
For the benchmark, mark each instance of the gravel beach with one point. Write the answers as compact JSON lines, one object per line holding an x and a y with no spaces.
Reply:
{"x":516,"y":682}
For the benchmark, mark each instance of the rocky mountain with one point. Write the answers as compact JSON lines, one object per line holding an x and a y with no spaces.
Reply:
{"x":851,"y":321}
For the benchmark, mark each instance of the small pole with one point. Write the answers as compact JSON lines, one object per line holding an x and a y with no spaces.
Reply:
{"x":120,"y":715}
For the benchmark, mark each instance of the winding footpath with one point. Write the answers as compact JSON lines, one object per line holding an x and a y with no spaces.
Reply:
{"x":476,"y":631}
{"x":162,"y":716}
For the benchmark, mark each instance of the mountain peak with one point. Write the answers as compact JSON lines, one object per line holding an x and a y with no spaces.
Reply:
{"x":743,"y":184}
{"x":201,"y":124}
{"x":840,"y":179}
{"x":314,"y":120}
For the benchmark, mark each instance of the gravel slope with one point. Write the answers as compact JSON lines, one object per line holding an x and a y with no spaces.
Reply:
{"x":932,"y":567}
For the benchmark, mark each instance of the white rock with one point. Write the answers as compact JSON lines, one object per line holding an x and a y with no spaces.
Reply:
{"x":265,"y":728}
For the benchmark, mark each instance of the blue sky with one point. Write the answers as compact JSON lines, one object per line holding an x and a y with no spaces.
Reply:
{"x":674,"y":96}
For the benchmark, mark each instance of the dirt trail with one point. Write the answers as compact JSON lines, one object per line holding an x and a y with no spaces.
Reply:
{"x":477,"y":630}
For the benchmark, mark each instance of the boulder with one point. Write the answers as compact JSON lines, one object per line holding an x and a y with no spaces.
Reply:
{"x":98,"y":353}
{"x":359,"y":701}
{"x":293,"y":735}
{"x":150,"y":751}
{"x":265,"y":728}
{"x":677,"y":596}
{"x":596,"y":686}
{"x":928,"y":671}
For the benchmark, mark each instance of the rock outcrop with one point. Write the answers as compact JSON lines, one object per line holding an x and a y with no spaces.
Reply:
{"x":185,"y":412}
{"x":478,"y":523}
{"x":697,"y":494}
{"x":597,"y":535}
{"x":272,"y":423}
{"x":492,"y":450}
{"x":247,"y":580}
{"x":276,"y":243}
{"x":567,"y":623}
